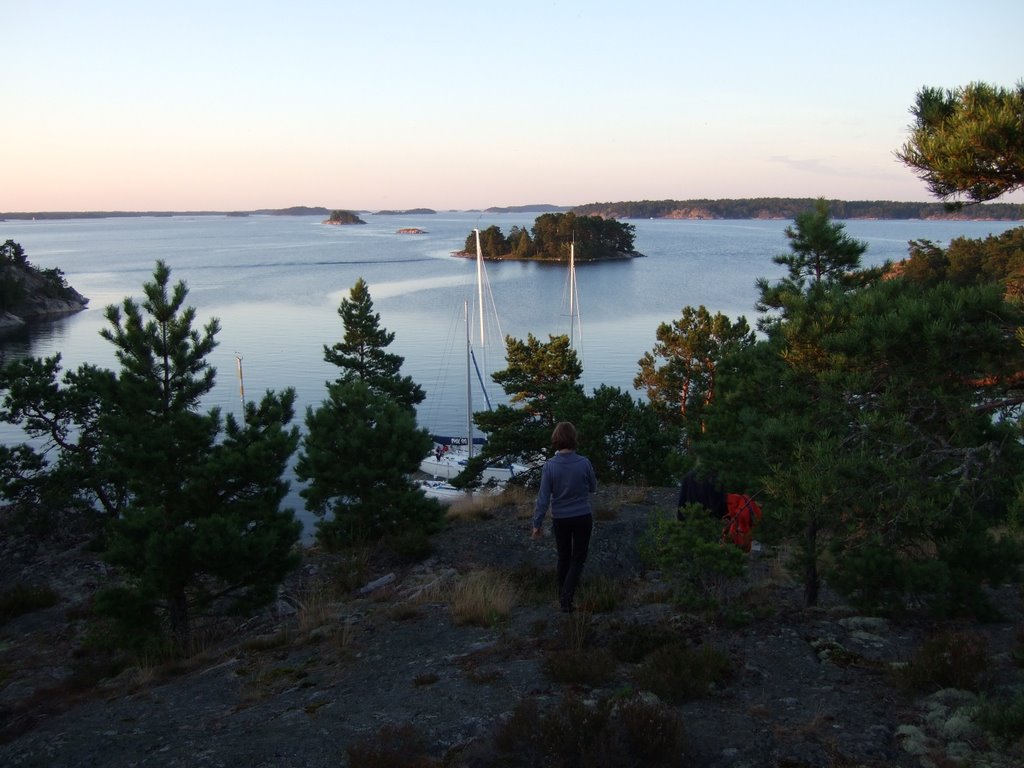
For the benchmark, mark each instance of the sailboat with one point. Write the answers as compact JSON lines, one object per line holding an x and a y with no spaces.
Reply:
{"x":450,"y":455}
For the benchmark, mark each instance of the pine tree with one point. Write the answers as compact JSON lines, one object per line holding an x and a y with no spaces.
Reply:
{"x":362,"y":353}
{"x":679,"y":373}
{"x":362,"y":443}
{"x":867,"y":417}
{"x":67,"y":473}
{"x":202,"y":525}
{"x":821,"y":255}
{"x":359,"y":452}
{"x":542,"y":384}
{"x":967,"y":143}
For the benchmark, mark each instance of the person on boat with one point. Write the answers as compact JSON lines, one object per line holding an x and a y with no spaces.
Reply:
{"x":566,"y":482}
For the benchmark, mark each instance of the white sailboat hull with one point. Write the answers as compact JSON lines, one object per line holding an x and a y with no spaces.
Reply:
{"x":452,"y":462}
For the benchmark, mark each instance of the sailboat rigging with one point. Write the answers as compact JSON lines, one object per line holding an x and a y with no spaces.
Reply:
{"x":450,"y":455}
{"x":574,"y":300}
{"x":571,"y":297}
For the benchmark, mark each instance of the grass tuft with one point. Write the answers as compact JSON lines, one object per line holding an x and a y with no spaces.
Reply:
{"x":25,"y":598}
{"x":628,"y":731}
{"x":600,"y":594}
{"x":393,"y":746}
{"x":677,"y":673}
{"x":588,"y":666}
{"x":955,"y":659}
{"x":485,"y":598}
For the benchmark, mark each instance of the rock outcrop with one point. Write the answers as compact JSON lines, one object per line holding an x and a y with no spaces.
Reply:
{"x":28,"y":294}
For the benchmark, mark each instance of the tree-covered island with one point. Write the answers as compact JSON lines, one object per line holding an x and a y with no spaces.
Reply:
{"x":791,"y":207}
{"x":595,"y":238}
{"x":343,"y":217}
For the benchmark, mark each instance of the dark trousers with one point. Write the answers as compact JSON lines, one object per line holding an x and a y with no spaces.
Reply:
{"x":572,"y":539}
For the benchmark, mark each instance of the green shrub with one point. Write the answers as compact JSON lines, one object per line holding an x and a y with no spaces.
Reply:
{"x":677,"y":673}
{"x":393,"y":746}
{"x":642,"y":732}
{"x":25,"y":598}
{"x":536,"y":584}
{"x":600,"y":594}
{"x":351,"y":569}
{"x":870,"y":578}
{"x":948,"y":660}
{"x":691,"y":553}
{"x":590,"y":666}
{"x":410,"y":544}
{"x":878,"y":578}
{"x":132,"y":621}
{"x":1004,"y":717}
{"x":627,"y":732}
{"x":632,"y":642}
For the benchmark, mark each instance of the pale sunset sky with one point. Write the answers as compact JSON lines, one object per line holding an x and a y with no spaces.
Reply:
{"x":135,"y":105}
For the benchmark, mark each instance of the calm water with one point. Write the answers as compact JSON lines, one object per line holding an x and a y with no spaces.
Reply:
{"x":275,"y":284}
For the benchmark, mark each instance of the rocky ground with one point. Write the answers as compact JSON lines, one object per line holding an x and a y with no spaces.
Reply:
{"x":340,"y":667}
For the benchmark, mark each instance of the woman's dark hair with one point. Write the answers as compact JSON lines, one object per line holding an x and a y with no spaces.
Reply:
{"x":564,"y":436}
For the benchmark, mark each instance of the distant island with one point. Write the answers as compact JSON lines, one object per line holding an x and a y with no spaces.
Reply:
{"x":790,"y":207}
{"x":411,"y":231}
{"x":28,"y":293}
{"x":343,"y":217}
{"x":298,"y":210}
{"x":728,"y":208}
{"x":536,"y":208}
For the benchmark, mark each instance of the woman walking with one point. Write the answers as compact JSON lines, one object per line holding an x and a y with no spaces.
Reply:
{"x":566,"y":482}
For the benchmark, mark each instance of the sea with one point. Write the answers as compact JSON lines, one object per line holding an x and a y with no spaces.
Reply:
{"x":275,"y":284}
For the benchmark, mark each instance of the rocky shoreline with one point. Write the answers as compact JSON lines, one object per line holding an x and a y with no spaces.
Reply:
{"x":41,"y":299}
{"x":48,"y":309}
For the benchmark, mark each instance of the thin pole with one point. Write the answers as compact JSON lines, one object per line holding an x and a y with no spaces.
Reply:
{"x":241,"y":384}
{"x":480,"y":283}
{"x":572,"y":289}
{"x":469,"y":388}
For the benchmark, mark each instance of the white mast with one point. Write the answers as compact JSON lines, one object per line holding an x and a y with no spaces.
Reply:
{"x":469,"y":386}
{"x":572,"y":288}
{"x":241,"y":385}
{"x":574,"y":300}
{"x":480,"y":283}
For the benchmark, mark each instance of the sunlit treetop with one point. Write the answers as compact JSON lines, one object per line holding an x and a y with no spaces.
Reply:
{"x":967,"y":144}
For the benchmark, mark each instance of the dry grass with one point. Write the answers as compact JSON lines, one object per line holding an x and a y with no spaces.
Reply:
{"x":345,"y":634}
{"x":313,"y":609}
{"x":482,"y":505}
{"x":774,"y":569}
{"x":577,"y":629}
{"x":483,"y":597}
{"x":601,"y":594}
{"x":319,"y":615}
{"x":818,"y":725}
{"x":437,"y":590}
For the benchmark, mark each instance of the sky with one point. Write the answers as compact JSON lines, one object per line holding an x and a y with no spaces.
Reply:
{"x":392,"y":104}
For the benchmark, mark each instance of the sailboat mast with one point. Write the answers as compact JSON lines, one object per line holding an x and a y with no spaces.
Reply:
{"x":241,"y":385}
{"x":572,"y":289}
{"x":469,"y":389}
{"x":480,"y":283}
